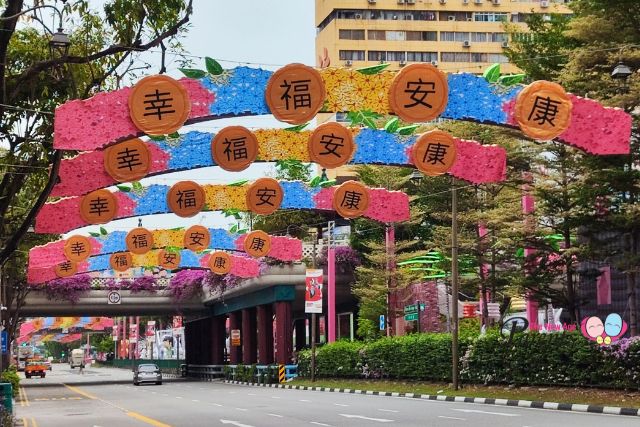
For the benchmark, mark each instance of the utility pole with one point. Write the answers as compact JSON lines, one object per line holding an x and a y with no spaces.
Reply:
{"x":454,"y":284}
{"x":314,"y":236}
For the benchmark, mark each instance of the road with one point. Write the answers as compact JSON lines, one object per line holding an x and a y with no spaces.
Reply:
{"x":104,"y":397}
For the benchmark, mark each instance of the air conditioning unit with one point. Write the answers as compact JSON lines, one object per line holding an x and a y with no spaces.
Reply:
{"x":411,"y":1}
{"x":403,"y":63}
{"x":348,"y":63}
{"x":466,"y":43}
{"x":372,"y":1}
{"x":465,"y":1}
{"x":469,"y":19}
{"x":434,"y":63}
{"x":400,"y":1}
{"x":478,"y":1}
{"x":443,"y":1}
{"x":544,"y":3}
{"x":505,"y":44}
{"x":451,"y":18}
{"x":358,"y":16}
{"x":495,"y":2}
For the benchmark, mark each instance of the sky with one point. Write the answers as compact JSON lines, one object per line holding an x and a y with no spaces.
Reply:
{"x":266,"y":34}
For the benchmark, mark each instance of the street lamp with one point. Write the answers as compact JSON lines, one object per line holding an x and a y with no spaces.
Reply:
{"x":59,"y":44}
{"x":621,"y":72}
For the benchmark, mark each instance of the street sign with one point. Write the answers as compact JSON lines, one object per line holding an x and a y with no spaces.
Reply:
{"x":5,"y":338}
{"x":235,"y":337}
{"x":382,"y":324}
{"x":114,"y":297}
{"x":411,"y":308}
{"x":411,"y":316}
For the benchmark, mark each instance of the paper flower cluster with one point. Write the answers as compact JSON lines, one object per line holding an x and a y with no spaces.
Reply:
{"x":64,"y":215}
{"x":350,"y":90}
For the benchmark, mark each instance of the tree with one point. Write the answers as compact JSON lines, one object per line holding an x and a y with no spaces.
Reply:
{"x":105,"y":49}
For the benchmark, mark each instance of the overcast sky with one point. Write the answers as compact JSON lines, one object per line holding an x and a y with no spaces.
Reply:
{"x":265,"y":34}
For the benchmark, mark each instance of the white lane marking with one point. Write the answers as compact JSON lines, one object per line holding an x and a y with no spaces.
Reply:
{"x":242,"y":409}
{"x":362,"y":417}
{"x":165,"y":394}
{"x":217,"y":404}
{"x":320,"y":424}
{"x":304,"y":400}
{"x":275,"y":415}
{"x":195,"y":400}
{"x":452,"y":418}
{"x":251,"y":394}
{"x":275,"y":397}
{"x":387,"y":410}
{"x":153,"y":392}
{"x":233,"y":392}
{"x":341,"y":404}
{"x":235,"y":423}
{"x":178,"y":397}
{"x":477,"y":411}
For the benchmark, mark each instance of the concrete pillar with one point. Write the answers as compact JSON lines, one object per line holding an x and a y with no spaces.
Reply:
{"x":218,"y":339}
{"x":235,"y":352}
{"x":265,"y":334}
{"x":284,"y":333}
{"x":249,"y":332}
{"x":301,"y":333}
{"x":205,"y":340}
{"x":190,"y":343}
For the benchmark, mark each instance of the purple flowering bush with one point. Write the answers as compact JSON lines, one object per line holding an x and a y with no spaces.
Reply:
{"x":143,"y":284}
{"x":347,"y":258}
{"x":186,"y":284}
{"x":67,"y":288}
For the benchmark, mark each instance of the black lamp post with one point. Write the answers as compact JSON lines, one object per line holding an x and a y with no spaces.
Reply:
{"x":59,"y":44}
{"x":621,"y":72}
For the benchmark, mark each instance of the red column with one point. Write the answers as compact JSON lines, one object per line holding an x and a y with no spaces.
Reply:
{"x":265,"y":334}
{"x":249,"y":331}
{"x":218,"y":339}
{"x":301,"y":333}
{"x":284,"y":333}
{"x":235,"y":352}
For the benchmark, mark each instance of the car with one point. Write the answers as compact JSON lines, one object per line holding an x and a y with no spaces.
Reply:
{"x":147,"y":373}
{"x":35,"y":369}
{"x":47,"y":364}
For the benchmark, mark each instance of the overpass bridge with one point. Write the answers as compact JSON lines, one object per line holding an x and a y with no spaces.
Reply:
{"x":266,"y":310}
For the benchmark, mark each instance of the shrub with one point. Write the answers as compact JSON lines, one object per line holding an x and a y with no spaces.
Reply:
{"x":10,"y":375}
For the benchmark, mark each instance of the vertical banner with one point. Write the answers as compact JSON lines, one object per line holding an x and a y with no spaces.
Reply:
{"x":133,"y":332}
{"x":177,"y":322}
{"x":115,"y":332}
{"x":313,"y":291}
{"x":151,"y":331}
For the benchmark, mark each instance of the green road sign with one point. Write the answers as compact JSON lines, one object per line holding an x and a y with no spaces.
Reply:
{"x":411,"y":308}
{"x":411,"y":316}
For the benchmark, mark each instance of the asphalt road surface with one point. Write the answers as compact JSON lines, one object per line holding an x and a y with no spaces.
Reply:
{"x":105,"y":397}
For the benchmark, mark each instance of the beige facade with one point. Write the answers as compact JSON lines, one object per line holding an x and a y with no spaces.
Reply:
{"x":457,"y":35}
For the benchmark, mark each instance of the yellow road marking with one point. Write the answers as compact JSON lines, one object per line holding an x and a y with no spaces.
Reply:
{"x":33,"y":422}
{"x":24,"y":396}
{"x":80,"y":392}
{"x":147,"y":420}
{"x":25,"y":422}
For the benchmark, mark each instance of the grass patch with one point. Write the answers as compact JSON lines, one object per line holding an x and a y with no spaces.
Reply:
{"x":586,"y":396}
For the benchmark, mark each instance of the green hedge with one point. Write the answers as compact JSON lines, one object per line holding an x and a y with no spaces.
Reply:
{"x":533,"y":359}
{"x":10,"y":375}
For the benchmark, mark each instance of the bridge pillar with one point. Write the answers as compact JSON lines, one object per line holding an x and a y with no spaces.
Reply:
{"x":265,"y":334}
{"x":249,"y":331}
{"x":218,"y":339}
{"x":190,"y":344}
{"x":205,"y":341}
{"x":235,"y":352}
{"x":301,"y":333}
{"x":284,"y":333}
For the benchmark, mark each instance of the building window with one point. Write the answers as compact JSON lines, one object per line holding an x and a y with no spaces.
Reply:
{"x":479,"y":37}
{"x":455,"y":16}
{"x":425,"y":36}
{"x":353,"y":55}
{"x":376,"y":34}
{"x":377,"y":55}
{"x":351,"y":34}
{"x":395,"y":35}
{"x":454,"y":57}
{"x":422,"y":56}
{"x":478,"y":57}
{"x":396,"y":56}
{"x":497,"y":57}
{"x":451,"y":36}
{"x":499,"y":37}
{"x":491,"y":17}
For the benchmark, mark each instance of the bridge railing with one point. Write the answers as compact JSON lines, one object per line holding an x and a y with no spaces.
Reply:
{"x":261,"y":374}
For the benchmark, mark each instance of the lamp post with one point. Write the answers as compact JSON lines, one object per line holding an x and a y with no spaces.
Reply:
{"x":621,"y":72}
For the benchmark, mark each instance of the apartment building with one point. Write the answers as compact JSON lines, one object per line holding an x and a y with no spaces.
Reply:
{"x":457,"y":35}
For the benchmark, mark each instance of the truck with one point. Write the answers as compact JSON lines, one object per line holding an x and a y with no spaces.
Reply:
{"x":35,"y":368}
{"x":76,"y":358}
{"x":24,"y":353}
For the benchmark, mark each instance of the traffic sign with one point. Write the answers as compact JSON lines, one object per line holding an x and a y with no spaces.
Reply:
{"x":5,"y":338}
{"x":411,"y":316}
{"x":411,"y":308}
{"x":114,"y":297}
{"x":235,"y":337}
{"x":382,"y":323}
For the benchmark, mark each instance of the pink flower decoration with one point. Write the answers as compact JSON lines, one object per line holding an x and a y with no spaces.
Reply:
{"x":478,"y":163}
{"x":53,"y":253}
{"x":244,"y":267}
{"x":387,"y":206}
{"x":282,"y":248}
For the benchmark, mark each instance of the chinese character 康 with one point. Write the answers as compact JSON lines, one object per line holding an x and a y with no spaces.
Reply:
{"x":186,"y":198}
{"x":158,"y":105}
{"x":78,"y":248}
{"x":197,"y":238}
{"x":435,"y":153}
{"x":545,"y":110}
{"x":351,"y":200}
{"x":419,"y":93}
{"x":128,"y":159}
{"x":239,"y":150}
{"x":265,"y":195}
{"x":219,"y":262}
{"x":257,"y":244}
{"x":140,"y":240}
{"x":331,"y":144}
{"x":98,"y":206}
{"x":301,"y":95}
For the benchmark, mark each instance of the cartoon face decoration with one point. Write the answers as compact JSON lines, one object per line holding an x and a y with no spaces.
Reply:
{"x":604,"y":333}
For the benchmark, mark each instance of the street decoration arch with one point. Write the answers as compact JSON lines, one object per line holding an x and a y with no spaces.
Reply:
{"x":79,"y":124}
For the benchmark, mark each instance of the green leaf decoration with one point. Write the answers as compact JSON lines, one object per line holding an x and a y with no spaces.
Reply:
{"x":511,"y":79}
{"x":92,"y":234}
{"x":297,"y":128}
{"x":492,"y":74}
{"x":174,"y":135}
{"x":238,"y":183}
{"x":137,"y":186}
{"x":173,"y":249}
{"x":315,"y":182}
{"x":103,"y":231}
{"x":372,"y":70}
{"x":213,"y":67}
{"x":369,"y":123}
{"x":329,"y":183}
{"x":242,"y":231}
{"x":520,"y":253}
{"x":408,"y":130}
{"x":156,"y":137}
{"x":177,"y":229}
{"x":392,"y":125}
{"x":233,"y":229}
{"x":231,"y":212}
{"x":192,"y":73}
{"x":124,"y":188}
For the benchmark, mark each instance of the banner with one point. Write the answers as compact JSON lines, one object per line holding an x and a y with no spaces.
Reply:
{"x":115,"y":332}
{"x":177,"y":322}
{"x":133,"y":332}
{"x":151,"y":331}
{"x":169,"y":344}
{"x":313,"y":291}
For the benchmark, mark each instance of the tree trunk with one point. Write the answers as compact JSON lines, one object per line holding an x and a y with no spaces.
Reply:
{"x":631,"y":287}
